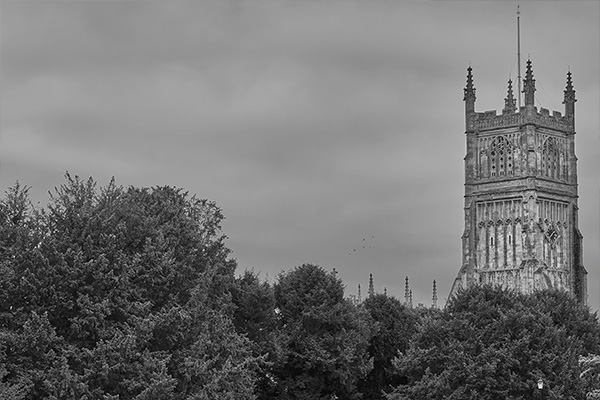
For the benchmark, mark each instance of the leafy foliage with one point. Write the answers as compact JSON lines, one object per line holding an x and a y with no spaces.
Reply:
{"x":492,"y":343}
{"x":590,"y":374}
{"x":255,"y":317}
{"x":118,"y":293}
{"x":323,"y":337}
{"x":395,"y":325}
{"x":129,"y":293}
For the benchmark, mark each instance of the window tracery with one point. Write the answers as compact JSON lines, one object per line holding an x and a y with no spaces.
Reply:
{"x":551,"y":163}
{"x":500,"y":157}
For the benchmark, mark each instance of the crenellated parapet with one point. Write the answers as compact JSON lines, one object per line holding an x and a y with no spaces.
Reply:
{"x":487,"y":120}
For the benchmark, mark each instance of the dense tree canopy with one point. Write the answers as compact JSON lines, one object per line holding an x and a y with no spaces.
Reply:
{"x":323,"y":336}
{"x":130,"y":293}
{"x":118,"y":293}
{"x":395,"y":325}
{"x":255,"y":317}
{"x":590,"y":375}
{"x":492,"y":343}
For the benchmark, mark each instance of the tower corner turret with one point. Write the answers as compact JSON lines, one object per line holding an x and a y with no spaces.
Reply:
{"x":569,"y":99}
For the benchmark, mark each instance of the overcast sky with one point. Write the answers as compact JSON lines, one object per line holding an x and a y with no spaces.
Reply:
{"x":328,"y":132}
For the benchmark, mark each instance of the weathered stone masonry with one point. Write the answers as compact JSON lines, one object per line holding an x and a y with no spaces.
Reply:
{"x":521,"y":227}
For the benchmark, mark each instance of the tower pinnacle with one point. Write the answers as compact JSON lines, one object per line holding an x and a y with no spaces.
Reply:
{"x":371,"y":289}
{"x":569,"y":99}
{"x":509,"y":102}
{"x":529,"y":85}
{"x":469,"y":98}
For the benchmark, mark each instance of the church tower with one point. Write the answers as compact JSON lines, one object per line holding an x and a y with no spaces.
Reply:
{"x":520,"y":204}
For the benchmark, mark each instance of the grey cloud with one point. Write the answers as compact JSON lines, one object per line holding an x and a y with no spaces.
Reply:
{"x":312,"y":124}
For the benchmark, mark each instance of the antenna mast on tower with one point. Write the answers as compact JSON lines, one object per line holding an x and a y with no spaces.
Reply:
{"x":519,"y":54}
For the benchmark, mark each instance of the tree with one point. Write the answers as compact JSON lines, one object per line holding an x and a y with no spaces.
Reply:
{"x":323,"y":336}
{"x":118,"y":292}
{"x":254,"y":302}
{"x":395,"y":325}
{"x":493,"y":343}
{"x":254,"y":316}
{"x":578,"y":321}
{"x":590,"y":375}
{"x":218,"y":362}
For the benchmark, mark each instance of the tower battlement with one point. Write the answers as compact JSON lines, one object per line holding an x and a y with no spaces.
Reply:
{"x":487,"y":120}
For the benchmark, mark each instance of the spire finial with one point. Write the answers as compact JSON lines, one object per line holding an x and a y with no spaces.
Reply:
{"x":470,"y":89}
{"x":469,"y":97}
{"x":529,"y":70}
{"x":529,"y":85}
{"x":569,"y":99}
{"x":509,"y":102}
{"x":569,"y":89}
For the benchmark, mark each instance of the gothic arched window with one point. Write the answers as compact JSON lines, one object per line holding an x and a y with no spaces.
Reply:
{"x":500,"y":157}
{"x":551,"y":159}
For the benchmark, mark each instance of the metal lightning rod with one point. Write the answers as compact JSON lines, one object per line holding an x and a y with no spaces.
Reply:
{"x":519,"y":54}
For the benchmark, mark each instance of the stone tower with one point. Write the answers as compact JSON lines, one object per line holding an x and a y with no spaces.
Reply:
{"x":521,"y":226}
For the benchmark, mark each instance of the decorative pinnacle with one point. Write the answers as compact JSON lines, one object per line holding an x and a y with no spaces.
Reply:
{"x":509,"y":102}
{"x":406,"y":291}
{"x":529,"y":74}
{"x":569,"y":100}
{"x":435,"y":297}
{"x":371,"y":288}
{"x":469,"y":90}
{"x":569,"y":91}
{"x":529,"y":85}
